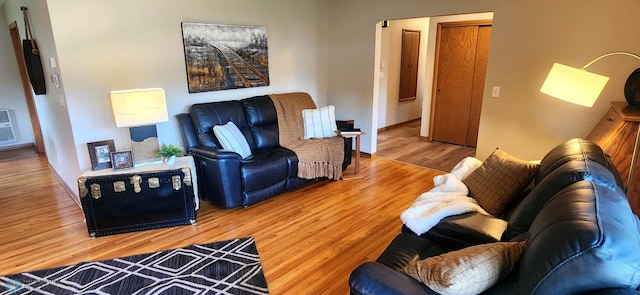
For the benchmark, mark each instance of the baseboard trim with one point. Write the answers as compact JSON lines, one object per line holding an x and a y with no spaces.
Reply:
{"x":362,"y":155}
{"x":71,"y":192}
{"x":17,"y":147}
{"x":397,"y":125}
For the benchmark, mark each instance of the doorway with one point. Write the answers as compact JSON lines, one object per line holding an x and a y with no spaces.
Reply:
{"x":26,"y":87}
{"x":384,"y":114}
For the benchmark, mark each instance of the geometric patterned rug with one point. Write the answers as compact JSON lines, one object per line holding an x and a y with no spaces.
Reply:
{"x":227,"y":267}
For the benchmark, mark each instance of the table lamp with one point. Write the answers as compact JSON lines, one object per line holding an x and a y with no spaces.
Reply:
{"x":581,"y":87}
{"x":140,"y":109}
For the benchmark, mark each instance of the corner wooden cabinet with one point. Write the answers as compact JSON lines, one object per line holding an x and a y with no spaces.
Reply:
{"x":616,"y":133}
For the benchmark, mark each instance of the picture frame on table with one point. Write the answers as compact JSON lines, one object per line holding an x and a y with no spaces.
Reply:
{"x":122,"y":160}
{"x":100,"y":154}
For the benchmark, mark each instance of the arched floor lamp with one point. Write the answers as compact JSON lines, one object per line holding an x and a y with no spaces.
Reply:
{"x":578,"y":86}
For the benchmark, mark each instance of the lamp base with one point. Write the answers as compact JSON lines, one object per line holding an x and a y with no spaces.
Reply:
{"x":144,"y":144}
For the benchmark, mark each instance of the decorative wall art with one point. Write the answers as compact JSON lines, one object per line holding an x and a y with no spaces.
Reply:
{"x":220,"y":57}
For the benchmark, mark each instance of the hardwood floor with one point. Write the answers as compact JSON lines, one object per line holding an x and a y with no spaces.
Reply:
{"x":309,"y":240}
{"x":402,"y":143}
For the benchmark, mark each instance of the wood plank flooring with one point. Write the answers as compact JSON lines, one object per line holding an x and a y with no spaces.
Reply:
{"x":402,"y":143}
{"x":309,"y":240}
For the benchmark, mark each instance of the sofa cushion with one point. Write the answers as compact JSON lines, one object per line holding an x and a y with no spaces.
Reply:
{"x":263,"y":121}
{"x":472,"y":227}
{"x":319,"y":123}
{"x":498,"y":180}
{"x":266,"y":168}
{"x":232,"y":139}
{"x":585,"y":238}
{"x":407,"y":247}
{"x":470,"y":270}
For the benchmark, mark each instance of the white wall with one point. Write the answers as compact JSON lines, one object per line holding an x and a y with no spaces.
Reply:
{"x":527,"y":37}
{"x":52,"y":112}
{"x":391,"y":110}
{"x":11,"y":95}
{"x":113,"y":45}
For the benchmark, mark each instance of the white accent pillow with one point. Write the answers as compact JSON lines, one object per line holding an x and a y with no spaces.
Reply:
{"x":232,"y":139}
{"x":319,"y":123}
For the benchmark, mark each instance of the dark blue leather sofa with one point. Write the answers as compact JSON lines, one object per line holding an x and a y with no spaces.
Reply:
{"x":223,"y":177}
{"x":582,"y":237}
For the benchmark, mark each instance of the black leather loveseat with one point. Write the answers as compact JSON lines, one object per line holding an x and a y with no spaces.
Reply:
{"x":224,"y":178}
{"x":581,"y":235}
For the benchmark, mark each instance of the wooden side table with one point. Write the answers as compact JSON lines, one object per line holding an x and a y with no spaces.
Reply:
{"x":618,"y":134}
{"x":356,"y":135}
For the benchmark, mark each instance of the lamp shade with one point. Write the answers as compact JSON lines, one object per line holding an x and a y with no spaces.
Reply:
{"x":573,"y":85}
{"x":139,"y":107}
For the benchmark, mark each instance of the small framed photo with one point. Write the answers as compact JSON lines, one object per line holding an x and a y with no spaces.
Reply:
{"x":122,"y":160}
{"x":100,"y":152}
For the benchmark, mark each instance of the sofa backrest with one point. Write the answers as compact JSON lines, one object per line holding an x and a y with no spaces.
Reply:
{"x":263,"y":121}
{"x":585,"y":238}
{"x":206,"y":115}
{"x":569,"y":172}
{"x":574,"y":149}
{"x":571,"y":161}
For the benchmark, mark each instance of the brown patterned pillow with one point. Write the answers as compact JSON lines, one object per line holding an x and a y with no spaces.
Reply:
{"x":498,"y":180}
{"x":471,"y":270}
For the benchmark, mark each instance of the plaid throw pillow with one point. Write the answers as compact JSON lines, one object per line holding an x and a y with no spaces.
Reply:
{"x":498,"y":180}
{"x":471,"y":270}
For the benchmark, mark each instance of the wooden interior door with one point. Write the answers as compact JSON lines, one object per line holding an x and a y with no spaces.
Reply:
{"x":477,"y":90}
{"x":461,"y":61}
{"x":409,"y":65}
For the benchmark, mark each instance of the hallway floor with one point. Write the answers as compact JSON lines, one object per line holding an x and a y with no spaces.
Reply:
{"x":402,"y":144}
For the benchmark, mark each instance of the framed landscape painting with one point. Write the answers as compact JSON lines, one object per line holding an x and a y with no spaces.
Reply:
{"x":220,"y":57}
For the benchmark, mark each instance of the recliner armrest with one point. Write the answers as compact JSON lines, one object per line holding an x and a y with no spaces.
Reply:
{"x":376,"y":278}
{"x":212,"y":153}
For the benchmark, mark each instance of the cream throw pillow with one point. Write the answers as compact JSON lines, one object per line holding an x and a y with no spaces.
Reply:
{"x":232,"y":139}
{"x":471,"y":270}
{"x":319,"y":123}
{"x":499,"y":179}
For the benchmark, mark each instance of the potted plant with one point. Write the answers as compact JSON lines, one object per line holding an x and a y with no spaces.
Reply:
{"x":169,"y":153}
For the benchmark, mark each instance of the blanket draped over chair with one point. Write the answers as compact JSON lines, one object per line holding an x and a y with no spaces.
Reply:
{"x":317,"y":157}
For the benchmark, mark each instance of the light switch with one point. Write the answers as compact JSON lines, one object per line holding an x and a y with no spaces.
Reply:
{"x":496,"y":91}
{"x":53,"y":62}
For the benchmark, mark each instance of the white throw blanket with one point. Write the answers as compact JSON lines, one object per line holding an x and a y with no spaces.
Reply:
{"x":448,"y":197}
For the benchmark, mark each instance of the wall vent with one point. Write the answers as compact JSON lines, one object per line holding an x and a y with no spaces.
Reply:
{"x":6,"y":128}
